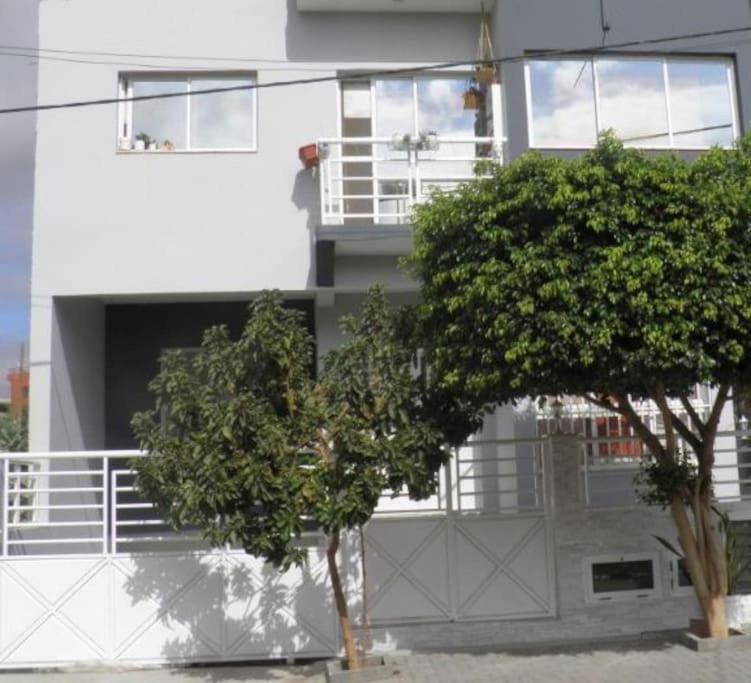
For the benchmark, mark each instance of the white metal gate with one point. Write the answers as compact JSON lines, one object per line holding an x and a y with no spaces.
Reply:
{"x":483,"y":552}
{"x":90,"y":574}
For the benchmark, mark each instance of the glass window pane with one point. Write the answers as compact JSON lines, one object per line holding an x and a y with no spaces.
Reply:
{"x":441,"y":107}
{"x":563,"y":106}
{"x":395,"y":107}
{"x":700,"y":103}
{"x":609,"y":577}
{"x":632,"y":100}
{"x":222,"y":120}
{"x":160,"y":119}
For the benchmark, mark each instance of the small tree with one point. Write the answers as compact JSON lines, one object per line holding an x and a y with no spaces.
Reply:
{"x":248,"y":445}
{"x":14,"y":436}
{"x":610,"y":277}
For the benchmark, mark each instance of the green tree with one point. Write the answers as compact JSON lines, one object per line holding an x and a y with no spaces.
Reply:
{"x":14,"y":436}
{"x":612,"y":277}
{"x":247,"y":445}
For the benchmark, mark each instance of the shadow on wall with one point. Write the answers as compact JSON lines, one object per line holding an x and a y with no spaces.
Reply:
{"x":306,"y":197}
{"x":350,"y":37}
{"x":224,"y":606}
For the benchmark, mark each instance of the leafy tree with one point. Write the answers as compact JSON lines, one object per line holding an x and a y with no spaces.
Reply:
{"x":612,"y":277}
{"x":248,"y":446}
{"x":13,"y":434}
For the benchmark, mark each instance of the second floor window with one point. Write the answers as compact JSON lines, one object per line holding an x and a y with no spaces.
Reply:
{"x":650,"y":102}
{"x":223,"y":121}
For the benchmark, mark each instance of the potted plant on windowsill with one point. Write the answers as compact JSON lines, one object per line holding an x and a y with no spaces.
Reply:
{"x":142,"y":142}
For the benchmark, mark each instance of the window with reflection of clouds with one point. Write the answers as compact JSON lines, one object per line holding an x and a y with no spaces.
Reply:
{"x":649,"y":102}
{"x":160,"y":119}
{"x":213,"y":121}
{"x":221,"y":120}
{"x":632,"y":100}
{"x":563,"y":105}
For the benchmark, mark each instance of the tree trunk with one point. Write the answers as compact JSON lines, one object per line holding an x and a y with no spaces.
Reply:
{"x":341,"y":604}
{"x":705,"y":561}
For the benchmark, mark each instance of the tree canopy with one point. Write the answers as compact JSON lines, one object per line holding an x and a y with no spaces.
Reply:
{"x":250,"y":447}
{"x":604,"y":274}
{"x":612,"y":276}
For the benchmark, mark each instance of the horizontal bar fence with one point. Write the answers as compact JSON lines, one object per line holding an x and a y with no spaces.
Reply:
{"x":609,"y":467}
{"x":85,"y":502}
{"x":379,"y":180}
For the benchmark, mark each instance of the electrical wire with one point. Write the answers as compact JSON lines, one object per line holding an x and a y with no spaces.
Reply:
{"x":383,"y":72}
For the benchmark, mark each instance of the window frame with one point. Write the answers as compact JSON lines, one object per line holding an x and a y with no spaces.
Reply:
{"x":665,"y":59}
{"x":125,"y":109}
{"x":593,"y":597}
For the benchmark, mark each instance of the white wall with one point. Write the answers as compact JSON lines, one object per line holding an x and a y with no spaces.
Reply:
{"x":109,"y":223}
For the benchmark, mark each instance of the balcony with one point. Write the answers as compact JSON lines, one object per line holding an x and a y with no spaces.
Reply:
{"x":370,"y":185}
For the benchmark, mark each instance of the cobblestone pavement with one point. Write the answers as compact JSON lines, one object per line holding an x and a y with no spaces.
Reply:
{"x":652,"y":661}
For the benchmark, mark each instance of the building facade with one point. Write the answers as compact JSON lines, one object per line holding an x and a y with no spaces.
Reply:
{"x":168,"y":215}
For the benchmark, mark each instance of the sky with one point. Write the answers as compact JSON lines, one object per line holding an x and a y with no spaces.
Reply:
{"x":18,"y":26}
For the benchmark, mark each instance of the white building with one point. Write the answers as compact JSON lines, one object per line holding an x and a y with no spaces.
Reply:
{"x":157,"y":218}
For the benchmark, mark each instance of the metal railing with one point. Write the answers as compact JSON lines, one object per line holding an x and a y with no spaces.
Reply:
{"x":378,"y":180}
{"x":609,"y":466}
{"x":501,"y":476}
{"x":86,"y":501}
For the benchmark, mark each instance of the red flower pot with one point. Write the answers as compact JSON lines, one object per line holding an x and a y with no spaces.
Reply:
{"x":309,"y":155}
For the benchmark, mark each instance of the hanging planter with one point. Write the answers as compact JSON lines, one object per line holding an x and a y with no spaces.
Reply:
{"x":309,"y":155}
{"x":485,"y":72}
{"x":473,"y":96}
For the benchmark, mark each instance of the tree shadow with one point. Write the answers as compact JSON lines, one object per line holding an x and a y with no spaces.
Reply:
{"x":223,"y":606}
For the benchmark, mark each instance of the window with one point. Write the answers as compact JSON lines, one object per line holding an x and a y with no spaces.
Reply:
{"x":621,"y":577}
{"x":22,"y":495}
{"x":654,"y":102}
{"x":224,"y":121}
{"x":680,"y":581}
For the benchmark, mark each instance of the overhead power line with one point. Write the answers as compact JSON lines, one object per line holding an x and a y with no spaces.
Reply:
{"x":382,"y":72}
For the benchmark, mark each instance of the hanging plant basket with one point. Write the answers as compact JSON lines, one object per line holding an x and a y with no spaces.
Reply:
{"x":472,"y":98}
{"x":485,"y":74}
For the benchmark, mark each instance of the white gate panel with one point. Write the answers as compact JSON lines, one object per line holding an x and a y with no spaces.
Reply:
{"x":408,"y":569}
{"x":503,"y":568}
{"x":162,"y":608}
{"x":459,"y":567}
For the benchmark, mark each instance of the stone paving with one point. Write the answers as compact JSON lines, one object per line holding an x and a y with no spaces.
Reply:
{"x":643,"y":661}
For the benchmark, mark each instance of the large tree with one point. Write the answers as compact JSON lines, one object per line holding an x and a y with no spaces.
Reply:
{"x":249,"y":447}
{"x":614,"y":276}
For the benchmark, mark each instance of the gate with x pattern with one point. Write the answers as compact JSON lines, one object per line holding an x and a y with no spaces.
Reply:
{"x":480,"y":549}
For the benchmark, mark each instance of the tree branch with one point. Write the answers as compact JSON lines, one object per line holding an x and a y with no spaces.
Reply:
{"x":643,"y":432}
{"x":685,"y":432}
{"x":714,"y":416}
{"x":693,"y":415}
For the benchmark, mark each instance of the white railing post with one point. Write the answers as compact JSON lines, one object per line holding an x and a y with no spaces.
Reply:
{"x":6,"y":493}
{"x":105,"y":503}
{"x":113,"y":512}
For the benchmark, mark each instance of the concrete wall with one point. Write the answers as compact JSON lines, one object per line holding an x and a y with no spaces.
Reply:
{"x":200,"y":222}
{"x":74,"y":377}
{"x":521,"y":26}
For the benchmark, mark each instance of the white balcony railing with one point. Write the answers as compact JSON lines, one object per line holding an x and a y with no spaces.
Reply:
{"x":365,"y":181}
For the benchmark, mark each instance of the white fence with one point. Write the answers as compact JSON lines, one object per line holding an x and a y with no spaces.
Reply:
{"x":379,"y":180}
{"x":609,"y":467}
{"x":90,"y":573}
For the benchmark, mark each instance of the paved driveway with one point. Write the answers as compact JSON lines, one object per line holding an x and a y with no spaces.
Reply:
{"x":653,"y":661}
